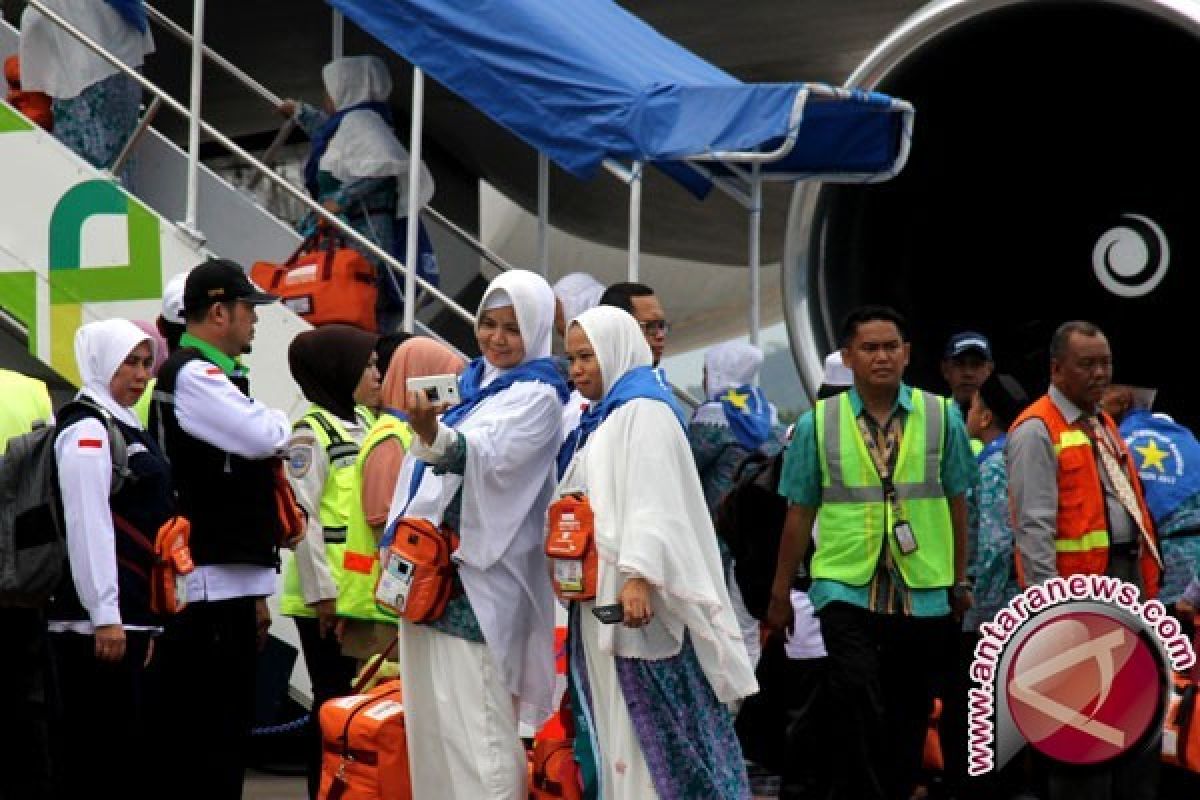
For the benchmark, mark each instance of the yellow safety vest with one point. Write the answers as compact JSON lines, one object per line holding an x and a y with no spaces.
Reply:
{"x":855,"y":521}
{"x":341,"y":495}
{"x":25,"y":401}
{"x":360,"y":563}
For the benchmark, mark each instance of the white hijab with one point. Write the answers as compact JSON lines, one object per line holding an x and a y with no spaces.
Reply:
{"x":55,"y":62}
{"x":730,"y":365}
{"x":652,"y":521}
{"x":365,"y":146}
{"x":100,"y":349}
{"x":512,"y":439}
{"x":578,"y":292}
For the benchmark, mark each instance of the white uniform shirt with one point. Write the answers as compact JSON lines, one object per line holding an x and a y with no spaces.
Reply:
{"x":211,"y":408}
{"x":85,"y":480}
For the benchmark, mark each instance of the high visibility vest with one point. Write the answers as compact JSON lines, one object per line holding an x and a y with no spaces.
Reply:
{"x":1081,"y":538}
{"x":25,"y":402}
{"x":360,"y":561}
{"x":854,"y":519}
{"x":341,"y":495}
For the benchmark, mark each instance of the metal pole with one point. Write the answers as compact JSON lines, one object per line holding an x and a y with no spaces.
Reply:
{"x":414,"y":199}
{"x":635,"y":219}
{"x":543,"y":215}
{"x":339,"y":34}
{"x":136,"y":137}
{"x":268,"y":156}
{"x":193,"y":178}
{"x":755,"y":255}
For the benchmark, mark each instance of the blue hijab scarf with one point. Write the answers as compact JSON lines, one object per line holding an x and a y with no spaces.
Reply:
{"x":637,"y":382}
{"x":133,"y":12}
{"x":748,"y":414}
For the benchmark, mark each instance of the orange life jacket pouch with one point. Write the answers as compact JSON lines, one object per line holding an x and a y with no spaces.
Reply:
{"x":571,"y":547}
{"x":416,"y":579}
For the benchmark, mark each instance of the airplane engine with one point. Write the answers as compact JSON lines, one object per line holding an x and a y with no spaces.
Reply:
{"x":1051,"y":177}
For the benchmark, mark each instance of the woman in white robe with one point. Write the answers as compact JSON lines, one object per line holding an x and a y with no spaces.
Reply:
{"x":487,"y":664}
{"x":678,"y":647}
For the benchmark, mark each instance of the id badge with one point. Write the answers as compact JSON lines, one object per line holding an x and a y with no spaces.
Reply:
{"x":394,"y":582}
{"x":568,"y":574}
{"x":905,"y":538}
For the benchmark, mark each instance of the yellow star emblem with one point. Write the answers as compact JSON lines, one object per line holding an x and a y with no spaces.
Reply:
{"x":1154,"y":457}
{"x":737,"y":399}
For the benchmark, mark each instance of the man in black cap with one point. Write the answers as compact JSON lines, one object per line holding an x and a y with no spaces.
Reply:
{"x":966,"y":364}
{"x":222,"y":445}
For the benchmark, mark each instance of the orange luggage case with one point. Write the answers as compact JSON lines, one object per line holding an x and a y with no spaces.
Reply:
{"x":324,"y":282}
{"x":365,"y":746}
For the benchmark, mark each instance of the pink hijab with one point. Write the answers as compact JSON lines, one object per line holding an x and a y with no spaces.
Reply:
{"x":418,"y":357}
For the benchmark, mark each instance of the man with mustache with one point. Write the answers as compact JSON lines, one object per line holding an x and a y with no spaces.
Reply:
{"x":1078,"y":508}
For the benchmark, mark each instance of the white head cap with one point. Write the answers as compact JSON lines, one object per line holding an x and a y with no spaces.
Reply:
{"x":172,"y":305}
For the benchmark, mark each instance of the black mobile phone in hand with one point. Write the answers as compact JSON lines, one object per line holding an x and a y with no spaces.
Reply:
{"x":609,"y":614}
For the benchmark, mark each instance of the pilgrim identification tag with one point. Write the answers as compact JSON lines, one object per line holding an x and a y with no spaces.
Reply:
{"x":568,"y":574}
{"x":905,"y":539}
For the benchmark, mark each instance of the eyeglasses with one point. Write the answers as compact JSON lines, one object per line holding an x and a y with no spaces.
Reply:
{"x":654,"y":326}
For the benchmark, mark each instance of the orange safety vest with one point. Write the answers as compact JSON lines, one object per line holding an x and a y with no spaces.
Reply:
{"x":1081,"y":542}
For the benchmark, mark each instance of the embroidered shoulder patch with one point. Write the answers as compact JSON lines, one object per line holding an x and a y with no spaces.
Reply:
{"x":299,"y":461}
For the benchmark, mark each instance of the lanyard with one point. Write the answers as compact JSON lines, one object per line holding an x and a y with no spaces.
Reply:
{"x":883,"y":453}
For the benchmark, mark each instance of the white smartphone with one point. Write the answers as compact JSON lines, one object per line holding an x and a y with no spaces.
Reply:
{"x":440,"y":389}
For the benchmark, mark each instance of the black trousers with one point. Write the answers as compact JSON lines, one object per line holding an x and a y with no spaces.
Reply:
{"x":879,"y":691}
{"x":204,"y":676}
{"x":100,"y":718}
{"x":24,"y":711}
{"x":332,"y":674}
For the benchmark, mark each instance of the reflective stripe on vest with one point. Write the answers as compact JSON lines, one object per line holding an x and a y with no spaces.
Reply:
{"x":854,"y":518}
{"x":340,"y":496}
{"x":360,"y":561}
{"x":1081,"y":537}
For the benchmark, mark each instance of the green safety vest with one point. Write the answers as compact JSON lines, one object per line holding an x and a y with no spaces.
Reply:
{"x":341,"y":496}
{"x":360,"y":563}
{"x":854,"y":521}
{"x":25,"y":402}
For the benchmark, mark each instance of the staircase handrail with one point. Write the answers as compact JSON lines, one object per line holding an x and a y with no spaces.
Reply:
{"x":250,"y":160}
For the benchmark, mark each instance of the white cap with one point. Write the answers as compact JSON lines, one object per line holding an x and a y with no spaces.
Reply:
{"x":836,"y":373}
{"x":172,"y":305}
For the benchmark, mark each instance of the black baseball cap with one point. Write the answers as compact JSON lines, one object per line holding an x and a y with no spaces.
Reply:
{"x":220,"y":280}
{"x":967,"y":341}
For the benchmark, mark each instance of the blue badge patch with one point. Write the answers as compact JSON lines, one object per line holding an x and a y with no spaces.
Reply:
{"x":299,"y":460}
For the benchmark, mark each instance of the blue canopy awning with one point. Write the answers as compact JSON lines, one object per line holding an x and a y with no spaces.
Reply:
{"x":584,"y":80}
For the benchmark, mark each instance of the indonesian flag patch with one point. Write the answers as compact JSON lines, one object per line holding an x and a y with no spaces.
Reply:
{"x":94,"y":444}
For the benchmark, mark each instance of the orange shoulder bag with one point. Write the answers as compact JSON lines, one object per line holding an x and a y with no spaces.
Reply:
{"x":417,"y":576}
{"x":571,"y":547}
{"x":172,"y":563}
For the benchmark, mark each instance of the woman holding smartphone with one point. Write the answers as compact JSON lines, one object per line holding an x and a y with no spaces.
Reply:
{"x":672,"y":642}
{"x":485,"y":470}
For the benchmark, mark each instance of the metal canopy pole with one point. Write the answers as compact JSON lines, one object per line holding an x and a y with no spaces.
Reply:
{"x":339,"y":34}
{"x":544,"y":215}
{"x":635,"y":219}
{"x":756,"y":194}
{"x":193,"y":177}
{"x":414,"y":200}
